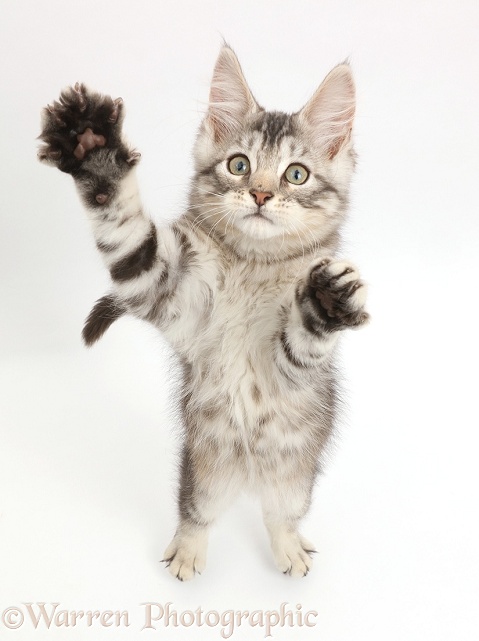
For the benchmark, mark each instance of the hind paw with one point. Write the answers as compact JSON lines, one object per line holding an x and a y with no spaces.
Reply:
{"x":293,"y":554}
{"x":186,"y":556}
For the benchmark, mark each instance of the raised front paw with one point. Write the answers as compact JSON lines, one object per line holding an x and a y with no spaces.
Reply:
{"x":80,"y":122}
{"x":334,"y":296}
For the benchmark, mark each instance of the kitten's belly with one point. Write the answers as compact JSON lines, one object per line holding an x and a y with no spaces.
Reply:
{"x":236,"y":389}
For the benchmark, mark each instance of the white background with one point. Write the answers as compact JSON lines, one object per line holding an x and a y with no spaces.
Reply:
{"x":88,"y":440}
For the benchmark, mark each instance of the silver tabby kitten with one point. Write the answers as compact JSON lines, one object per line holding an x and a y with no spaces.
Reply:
{"x":245,"y":286}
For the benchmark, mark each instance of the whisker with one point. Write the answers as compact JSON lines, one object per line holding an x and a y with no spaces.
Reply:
{"x":217,"y":223}
{"x":207,"y":191}
{"x":209,"y":213}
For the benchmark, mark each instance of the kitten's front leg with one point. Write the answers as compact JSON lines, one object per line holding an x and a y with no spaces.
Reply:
{"x":82,"y":136}
{"x":330,"y":299}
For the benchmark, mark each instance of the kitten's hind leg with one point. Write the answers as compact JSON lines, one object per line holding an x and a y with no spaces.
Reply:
{"x":283,"y":506}
{"x":209,"y":482}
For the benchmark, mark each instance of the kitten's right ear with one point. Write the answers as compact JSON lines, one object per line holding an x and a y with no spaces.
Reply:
{"x":230,"y":97}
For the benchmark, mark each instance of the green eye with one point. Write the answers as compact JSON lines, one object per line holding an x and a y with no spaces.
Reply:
{"x":239,"y":165}
{"x":296,"y":174}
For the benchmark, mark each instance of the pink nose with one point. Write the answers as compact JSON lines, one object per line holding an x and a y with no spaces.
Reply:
{"x":261,"y":197}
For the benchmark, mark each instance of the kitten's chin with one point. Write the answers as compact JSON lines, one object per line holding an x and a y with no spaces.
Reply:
{"x":257,"y":226}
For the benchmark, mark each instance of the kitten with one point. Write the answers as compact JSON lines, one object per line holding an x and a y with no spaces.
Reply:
{"x":245,"y":286}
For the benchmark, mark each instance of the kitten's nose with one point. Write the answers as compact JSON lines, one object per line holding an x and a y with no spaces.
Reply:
{"x":260,"y":197}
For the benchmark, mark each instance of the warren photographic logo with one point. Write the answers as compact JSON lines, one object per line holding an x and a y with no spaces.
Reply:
{"x":153,"y":616}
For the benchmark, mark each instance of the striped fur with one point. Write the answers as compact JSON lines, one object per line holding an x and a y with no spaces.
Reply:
{"x":251,"y":297}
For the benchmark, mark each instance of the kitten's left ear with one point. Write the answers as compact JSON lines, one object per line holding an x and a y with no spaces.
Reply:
{"x":230,"y":97}
{"x":330,"y":112}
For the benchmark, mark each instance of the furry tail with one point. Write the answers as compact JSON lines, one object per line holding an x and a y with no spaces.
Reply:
{"x":104,"y":313}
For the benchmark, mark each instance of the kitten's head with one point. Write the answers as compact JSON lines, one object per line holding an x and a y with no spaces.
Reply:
{"x":271,"y":184}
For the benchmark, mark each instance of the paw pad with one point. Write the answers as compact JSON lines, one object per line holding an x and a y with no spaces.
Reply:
{"x":87,"y":141}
